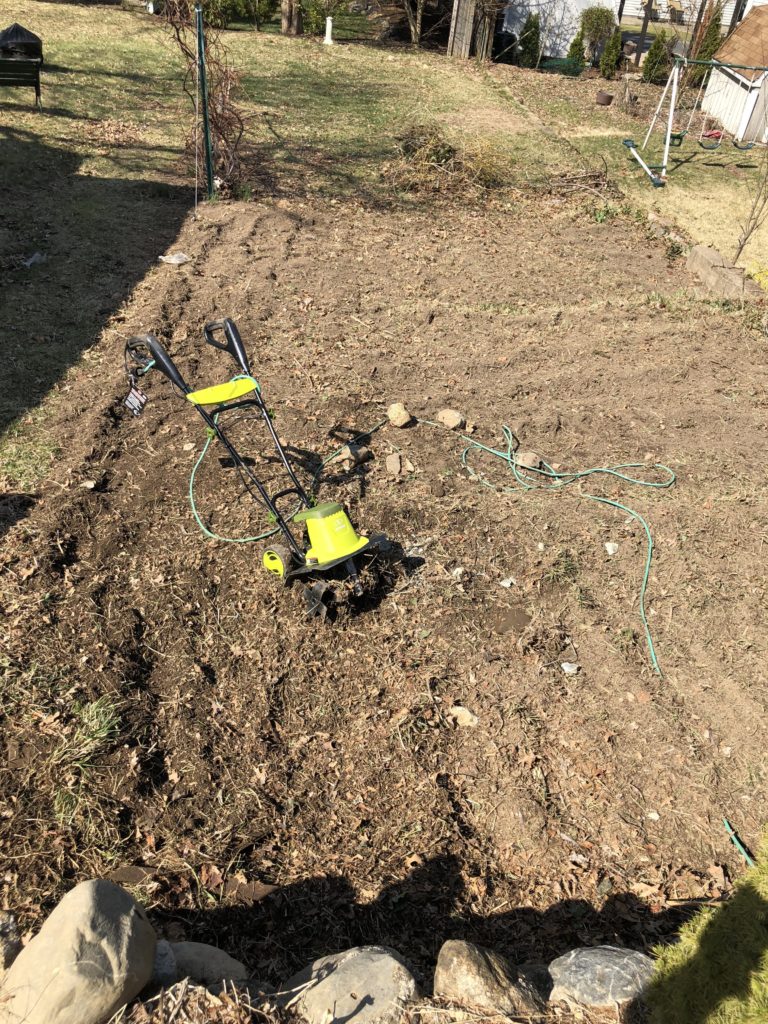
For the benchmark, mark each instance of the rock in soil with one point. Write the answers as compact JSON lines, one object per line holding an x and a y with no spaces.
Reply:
{"x":394,"y":464}
{"x":462,"y":717}
{"x":397,"y":464}
{"x":206,"y":964}
{"x":367,"y":984}
{"x":165,"y":969}
{"x":91,"y":957}
{"x":398,"y":415}
{"x":10,"y":943}
{"x":451,"y":418}
{"x":601,"y":976}
{"x":352,"y":455}
{"x":472,"y":976}
{"x":528,"y":460}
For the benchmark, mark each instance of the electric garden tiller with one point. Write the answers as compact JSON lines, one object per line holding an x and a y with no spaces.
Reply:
{"x":333,"y":542}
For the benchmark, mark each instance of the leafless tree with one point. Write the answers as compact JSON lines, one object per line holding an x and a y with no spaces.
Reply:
{"x":414,"y":12}
{"x":226,"y":119}
{"x":758,"y":210}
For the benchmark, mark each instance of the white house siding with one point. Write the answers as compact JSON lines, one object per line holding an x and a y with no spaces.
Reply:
{"x":757,"y":128}
{"x":559,"y":20}
{"x":724,"y":99}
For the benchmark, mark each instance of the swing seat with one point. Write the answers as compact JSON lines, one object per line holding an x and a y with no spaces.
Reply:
{"x":711,"y":140}
{"x":676,"y":138}
{"x":217,"y":394}
{"x":743,"y":147}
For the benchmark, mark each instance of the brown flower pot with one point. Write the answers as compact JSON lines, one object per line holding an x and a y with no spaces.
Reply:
{"x":604,"y":99}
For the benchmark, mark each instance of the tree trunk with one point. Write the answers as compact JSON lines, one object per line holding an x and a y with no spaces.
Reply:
{"x":644,"y":31}
{"x":419,"y":16}
{"x":738,"y":11}
{"x":414,"y":10}
{"x":696,"y":34}
{"x":291,"y":22}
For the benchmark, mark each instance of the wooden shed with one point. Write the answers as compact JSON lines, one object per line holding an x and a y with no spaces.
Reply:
{"x":738,"y":98}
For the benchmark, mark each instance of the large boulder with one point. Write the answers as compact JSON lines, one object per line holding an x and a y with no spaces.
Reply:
{"x":367,"y":985}
{"x":479,"y":978}
{"x":92,"y":956}
{"x":600,"y":976}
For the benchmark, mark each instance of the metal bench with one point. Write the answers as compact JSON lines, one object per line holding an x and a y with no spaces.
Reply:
{"x":22,"y":71}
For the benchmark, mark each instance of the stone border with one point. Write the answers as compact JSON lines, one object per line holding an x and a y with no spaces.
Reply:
{"x":722,"y":278}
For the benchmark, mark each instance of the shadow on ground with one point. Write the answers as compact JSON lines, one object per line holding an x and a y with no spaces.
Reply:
{"x":293,"y":925}
{"x":72,"y":248}
{"x":14,"y":506}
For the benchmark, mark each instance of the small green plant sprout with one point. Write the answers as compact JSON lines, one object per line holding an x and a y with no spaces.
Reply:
{"x":604,"y":213}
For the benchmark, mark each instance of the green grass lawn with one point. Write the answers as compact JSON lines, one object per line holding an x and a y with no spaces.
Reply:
{"x":347,"y":27}
{"x":634,"y":25}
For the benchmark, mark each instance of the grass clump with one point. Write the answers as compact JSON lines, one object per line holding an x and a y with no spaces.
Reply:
{"x":564,"y":569}
{"x":75,"y":766}
{"x":25,"y":456}
{"x":96,"y":725}
{"x":718,"y":972}
{"x":430,"y":162}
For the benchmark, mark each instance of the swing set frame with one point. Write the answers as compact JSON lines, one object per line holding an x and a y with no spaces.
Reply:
{"x":658,"y":173}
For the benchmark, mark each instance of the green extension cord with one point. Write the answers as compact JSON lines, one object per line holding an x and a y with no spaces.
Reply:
{"x":738,"y":843}
{"x":543,"y":479}
{"x":547,"y":479}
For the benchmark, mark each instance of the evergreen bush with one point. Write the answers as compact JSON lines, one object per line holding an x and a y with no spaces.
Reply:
{"x":576,"y":49}
{"x":611,"y":56}
{"x":658,"y":60}
{"x":709,"y":42}
{"x":530,"y":42}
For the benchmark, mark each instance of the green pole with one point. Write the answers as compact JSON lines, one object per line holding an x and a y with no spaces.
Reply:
{"x":204,"y":97}
{"x":718,"y":64}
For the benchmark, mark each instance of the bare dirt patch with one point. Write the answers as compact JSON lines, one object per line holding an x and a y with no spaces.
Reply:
{"x":237,"y":747}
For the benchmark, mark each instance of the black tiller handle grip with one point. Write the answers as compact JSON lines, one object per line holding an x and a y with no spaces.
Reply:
{"x":233,"y":343}
{"x":135,"y":350}
{"x":137,"y":354}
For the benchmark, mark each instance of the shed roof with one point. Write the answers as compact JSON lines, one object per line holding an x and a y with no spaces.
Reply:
{"x":748,"y":44}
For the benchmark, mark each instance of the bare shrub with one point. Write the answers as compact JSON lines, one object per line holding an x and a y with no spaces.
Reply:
{"x":227,"y":122}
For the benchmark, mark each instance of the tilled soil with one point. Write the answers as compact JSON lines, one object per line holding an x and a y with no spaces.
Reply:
{"x":250,"y":748}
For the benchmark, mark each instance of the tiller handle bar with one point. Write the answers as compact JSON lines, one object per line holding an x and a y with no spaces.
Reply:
{"x":136,"y":354}
{"x":233,"y":343}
